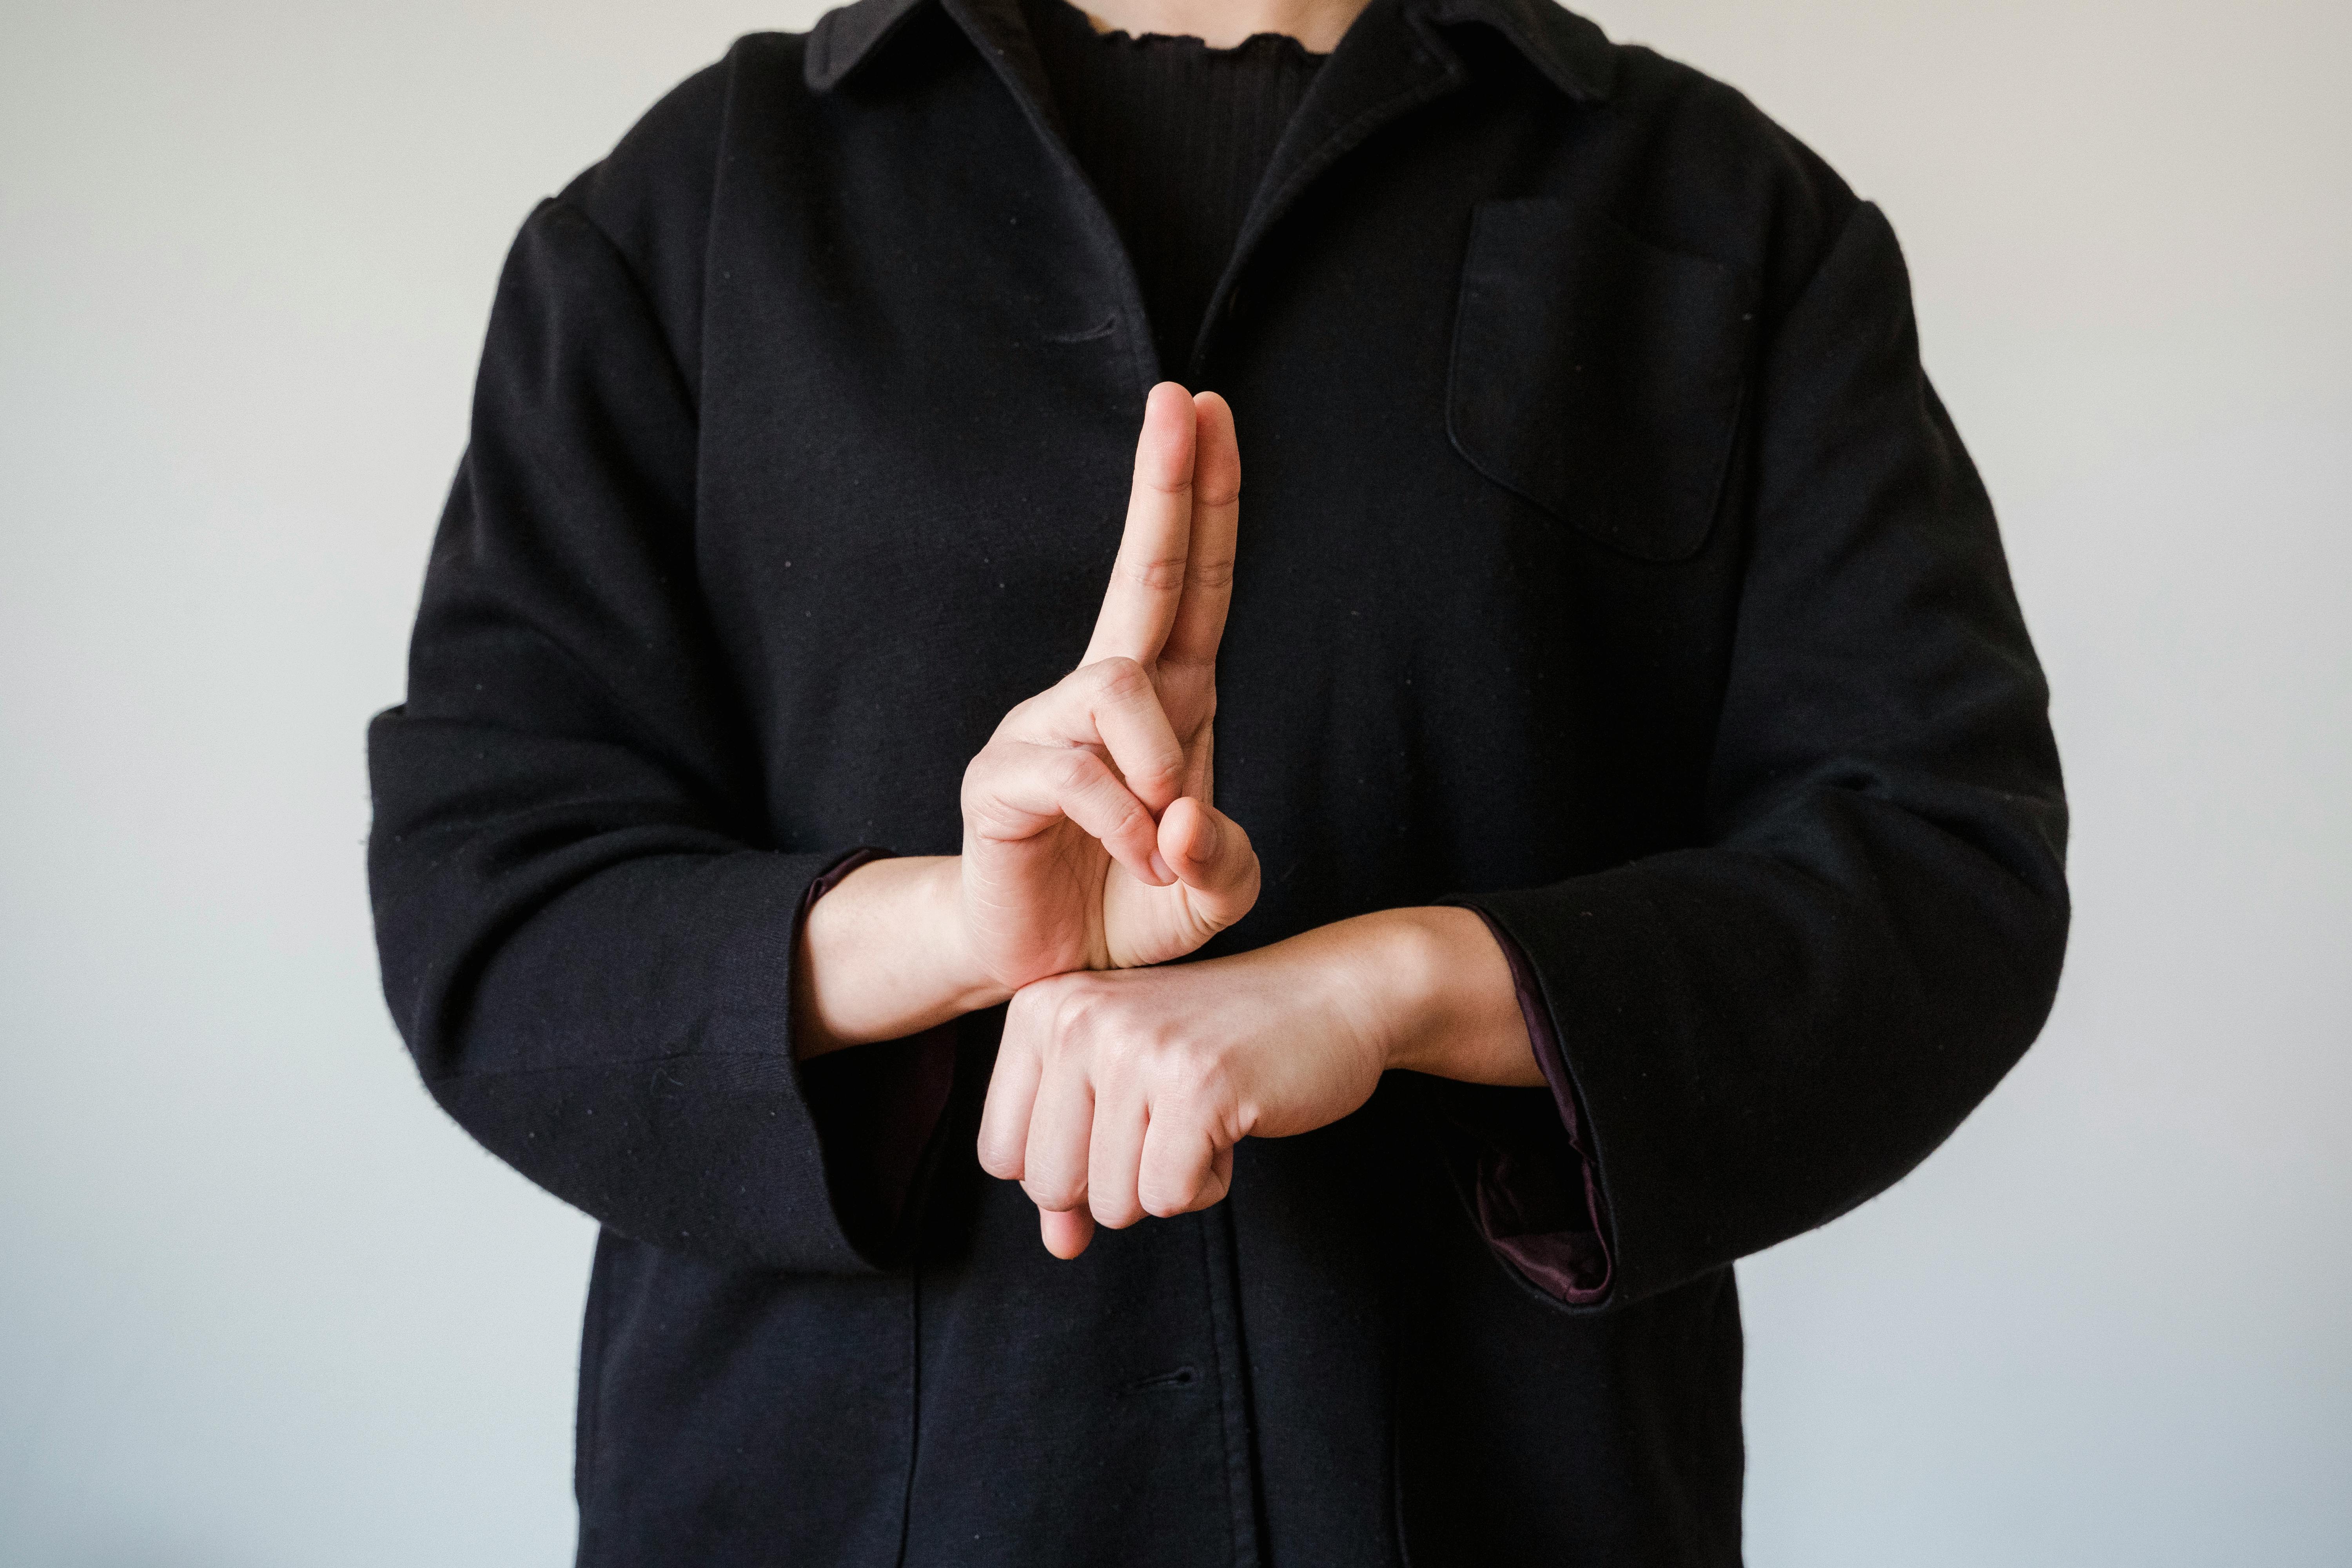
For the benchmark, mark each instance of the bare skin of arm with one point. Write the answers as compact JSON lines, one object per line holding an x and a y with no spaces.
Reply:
{"x":1091,"y":853}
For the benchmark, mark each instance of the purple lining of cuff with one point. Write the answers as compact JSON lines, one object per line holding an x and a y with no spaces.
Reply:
{"x":865,"y":855}
{"x":1521,"y":1206}
{"x":876,"y":1105}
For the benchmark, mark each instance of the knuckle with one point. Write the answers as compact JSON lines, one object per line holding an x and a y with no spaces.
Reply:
{"x":1160,"y":574}
{"x":1077,"y":1005}
{"x":1028,"y":717}
{"x":978,"y":794}
{"x":1165,"y":756}
{"x":987,"y":815}
{"x":1060,"y":1194}
{"x":1132,"y":822}
{"x":984,"y":763}
{"x":1163,"y":1200}
{"x":1202,"y":1081}
{"x":1073,"y":770}
{"x":1019,"y":1012}
{"x":1162,"y":469}
{"x":1154,"y":779}
{"x":1161,"y":1066}
{"x":1119,"y":678}
{"x":994,"y":772}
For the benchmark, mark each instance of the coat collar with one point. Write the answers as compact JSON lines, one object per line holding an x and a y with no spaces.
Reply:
{"x":1573,"y":52}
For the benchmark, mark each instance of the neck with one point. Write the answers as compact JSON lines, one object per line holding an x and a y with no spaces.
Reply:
{"x":1222,"y":23}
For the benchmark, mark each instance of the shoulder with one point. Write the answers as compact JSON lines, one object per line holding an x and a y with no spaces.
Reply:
{"x":1705,"y":169}
{"x":657,"y":184}
{"x":650,"y":199}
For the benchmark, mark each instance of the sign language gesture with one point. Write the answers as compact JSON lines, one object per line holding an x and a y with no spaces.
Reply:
{"x":1089,"y":838}
{"x":1092,"y":853}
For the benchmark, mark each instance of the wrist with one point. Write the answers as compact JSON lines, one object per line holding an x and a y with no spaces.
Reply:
{"x":1382,"y":980}
{"x":1433,"y":993}
{"x":948,"y":938}
{"x":885,"y":956}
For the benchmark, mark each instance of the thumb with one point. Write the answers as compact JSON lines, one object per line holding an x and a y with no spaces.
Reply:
{"x":1212,"y":857}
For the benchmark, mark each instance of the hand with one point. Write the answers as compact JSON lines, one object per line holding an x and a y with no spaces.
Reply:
{"x":1089,"y":838}
{"x":1121,"y":1094}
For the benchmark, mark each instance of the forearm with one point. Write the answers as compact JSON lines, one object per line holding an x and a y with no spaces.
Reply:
{"x":1433,"y":990}
{"x":884,"y":955}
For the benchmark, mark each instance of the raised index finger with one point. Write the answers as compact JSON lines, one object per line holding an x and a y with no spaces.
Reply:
{"x":1147,"y":582}
{"x":1216,"y":517}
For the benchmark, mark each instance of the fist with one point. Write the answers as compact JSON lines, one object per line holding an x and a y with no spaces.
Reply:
{"x":1122,"y":1094}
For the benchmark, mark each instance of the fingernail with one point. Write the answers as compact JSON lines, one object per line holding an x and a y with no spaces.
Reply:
{"x":1159,"y":869}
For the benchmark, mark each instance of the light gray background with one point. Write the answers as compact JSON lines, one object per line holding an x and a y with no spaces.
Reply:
{"x":260,"y":1305}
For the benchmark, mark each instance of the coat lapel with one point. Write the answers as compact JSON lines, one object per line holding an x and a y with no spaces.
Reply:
{"x":1390,"y":63}
{"x":1000,"y":31}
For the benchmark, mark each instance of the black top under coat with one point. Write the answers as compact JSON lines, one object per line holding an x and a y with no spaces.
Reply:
{"x":1174,"y":136}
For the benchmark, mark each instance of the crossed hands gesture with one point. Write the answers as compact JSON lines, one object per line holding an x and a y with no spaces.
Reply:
{"x":1093,"y":851}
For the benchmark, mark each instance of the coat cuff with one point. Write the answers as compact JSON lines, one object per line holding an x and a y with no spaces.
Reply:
{"x":1536,"y":1191}
{"x":876,"y":1108}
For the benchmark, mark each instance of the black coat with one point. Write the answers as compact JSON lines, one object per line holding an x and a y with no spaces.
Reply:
{"x":1605,"y":559}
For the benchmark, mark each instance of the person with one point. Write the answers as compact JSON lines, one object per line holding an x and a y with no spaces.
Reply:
{"x":1184,"y":752}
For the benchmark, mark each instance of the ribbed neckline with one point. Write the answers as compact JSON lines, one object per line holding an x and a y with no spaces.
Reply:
{"x":1257,"y":43}
{"x":1175,"y":137}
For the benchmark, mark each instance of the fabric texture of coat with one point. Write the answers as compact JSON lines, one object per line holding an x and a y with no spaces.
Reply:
{"x":1606,"y":563}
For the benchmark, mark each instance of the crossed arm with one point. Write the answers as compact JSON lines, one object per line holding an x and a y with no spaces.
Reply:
{"x":1092,"y":853}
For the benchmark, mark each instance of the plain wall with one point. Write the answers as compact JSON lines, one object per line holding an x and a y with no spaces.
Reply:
{"x":260,"y":1305}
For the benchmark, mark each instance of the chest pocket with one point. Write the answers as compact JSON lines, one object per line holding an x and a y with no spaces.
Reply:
{"x":1597,"y":374}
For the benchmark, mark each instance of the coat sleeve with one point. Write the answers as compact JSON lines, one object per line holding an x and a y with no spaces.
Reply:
{"x":585,"y":940}
{"x":1769,"y":1029}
